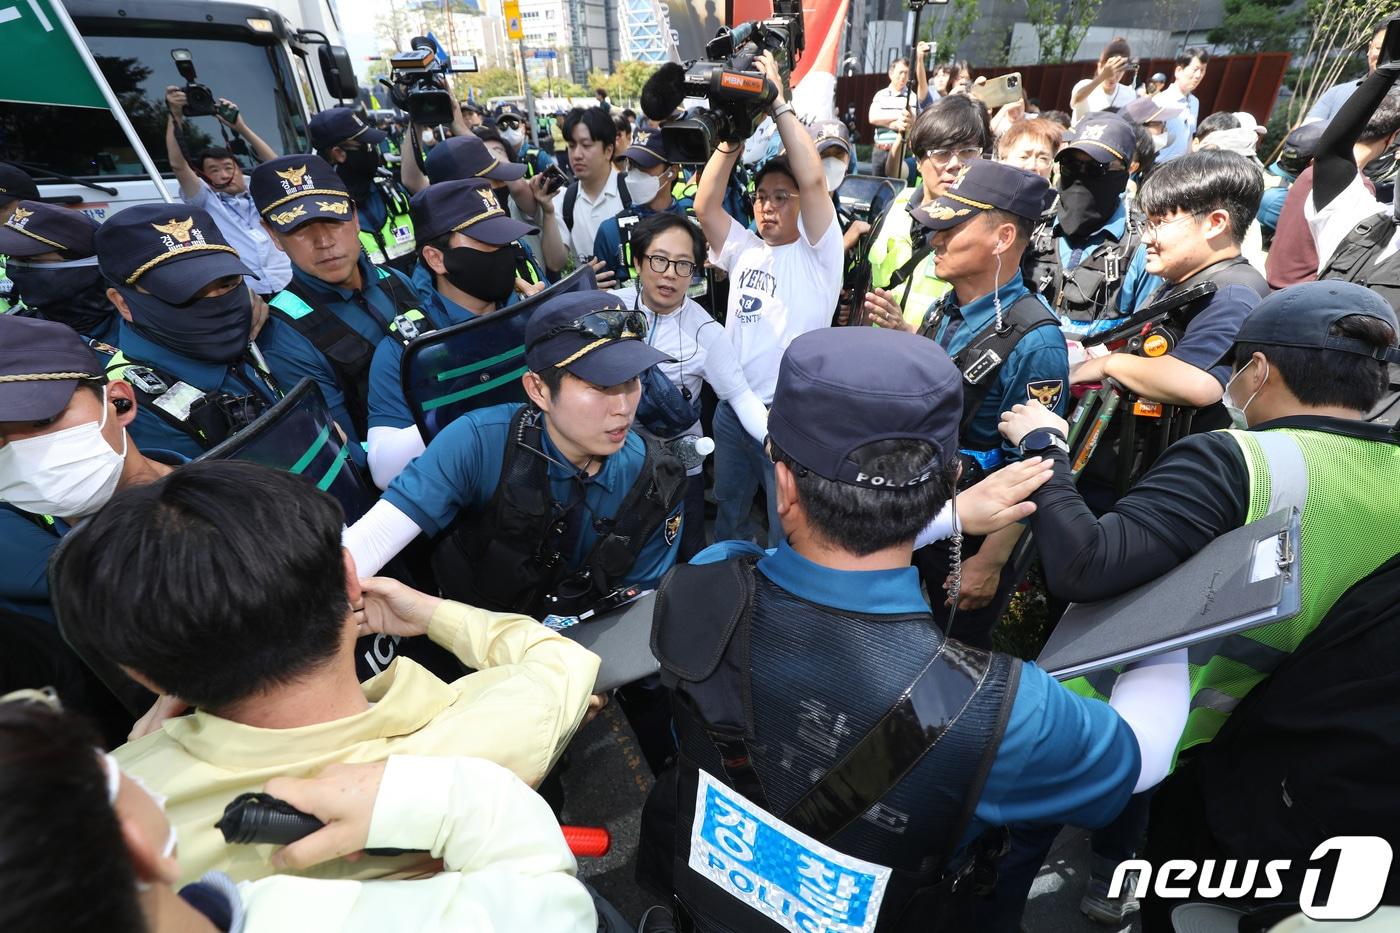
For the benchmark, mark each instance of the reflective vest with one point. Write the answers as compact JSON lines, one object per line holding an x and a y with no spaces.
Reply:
{"x":394,"y":240}
{"x":1350,"y":526}
{"x":901,"y":262}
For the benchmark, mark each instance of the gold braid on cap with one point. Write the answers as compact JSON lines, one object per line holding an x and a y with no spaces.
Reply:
{"x":581,"y":353}
{"x":47,"y":377}
{"x":176,"y":253}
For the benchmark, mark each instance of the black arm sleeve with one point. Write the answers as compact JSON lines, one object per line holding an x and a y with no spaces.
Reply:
{"x":1334,"y":166}
{"x":1196,"y":492}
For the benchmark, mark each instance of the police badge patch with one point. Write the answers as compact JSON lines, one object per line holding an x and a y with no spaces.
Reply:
{"x":673,"y":528}
{"x":1045,"y":391}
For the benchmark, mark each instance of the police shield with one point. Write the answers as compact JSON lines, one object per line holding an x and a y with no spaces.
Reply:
{"x":298,"y":435}
{"x":865,"y":196}
{"x":475,"y":364}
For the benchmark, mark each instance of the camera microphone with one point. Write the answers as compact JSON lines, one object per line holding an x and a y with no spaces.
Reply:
{"x":664,"y":92}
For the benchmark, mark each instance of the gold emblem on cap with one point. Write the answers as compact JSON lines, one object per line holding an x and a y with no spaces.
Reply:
{"x":944,"y":212}
{"x":1092,"y":133}
{"x":20,"y":216}
{"x":286,"y":217}
{"x":293,"y":176}
{"x":641,"y":137}
{"x":962,"y":173}
{"x":332,"y":207}
{"x":179,"y":229}
{"x":489,"y":199}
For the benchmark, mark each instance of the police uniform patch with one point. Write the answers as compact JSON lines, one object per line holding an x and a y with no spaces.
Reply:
{"x":1045,"y":391}
{"x":673,"y":528}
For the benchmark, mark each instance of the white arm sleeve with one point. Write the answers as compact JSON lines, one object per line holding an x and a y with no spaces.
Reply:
{"x":724,"y":374}
{"x":390,"y":450}
{"x":1153,"y":696}
{"x":378,"y":537}
{"x":941,"y":527}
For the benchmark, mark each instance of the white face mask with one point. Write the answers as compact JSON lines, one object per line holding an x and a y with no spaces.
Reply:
{"x":1237,"y":413}
{"x":114,"y":784}
{"x":69,"y":473}
{"x":513,"y":138}
{"x":643,"y":187}
{"x":1160,"y":141}
{"x":835,"y":170}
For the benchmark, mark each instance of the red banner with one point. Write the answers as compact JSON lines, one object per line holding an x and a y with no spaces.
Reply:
{"x":822,"y":20}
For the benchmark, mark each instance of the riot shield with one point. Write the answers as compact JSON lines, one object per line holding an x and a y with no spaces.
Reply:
{"x":866,"y":196}
{"x":298,"y":435}
{"x":475,"y":364}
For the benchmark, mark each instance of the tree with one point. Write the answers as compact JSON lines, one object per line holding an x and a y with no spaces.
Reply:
{"x":950,"y":28}
{"x":1060,"y":26}
{"x":625,"y":82}
{"x":1338,"y":32}
{"x":1257,"y":26}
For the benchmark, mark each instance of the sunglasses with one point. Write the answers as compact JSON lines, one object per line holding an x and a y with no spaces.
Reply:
{"x":602,"y":325}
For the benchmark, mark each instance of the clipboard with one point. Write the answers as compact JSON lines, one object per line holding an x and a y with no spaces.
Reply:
{"x":622,"y":639}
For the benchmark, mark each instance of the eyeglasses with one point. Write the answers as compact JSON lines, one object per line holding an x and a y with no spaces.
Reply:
{"x":944,"y":156}
{"x":508,"y":124}
{"x":1153,"y":228}
{"x":684,"y":267}
{"x":778,"y":199}
{"x":602,"y":325}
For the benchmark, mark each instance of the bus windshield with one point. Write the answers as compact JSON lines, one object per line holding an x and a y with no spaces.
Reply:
{"x":87,"y":143}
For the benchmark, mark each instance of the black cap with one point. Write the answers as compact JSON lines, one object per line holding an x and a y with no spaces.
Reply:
{"x":982,"y":185}
{"x":340,"y":125}
{"x":32,"y":353}
{"x":1301,"y":316}
{"x":461,"y":157}
{"x":294,"y":189}
{"x":15,"y":184}
{"x":1105,"y":136}
{"x":512,"y":111}
{"x":36,"y":227}
{"x":170,"y":250}
{"x":844,"y":391}
{"x":1300,"y":146}
{"x":603,"y":362}
{"x":831,"y":134}
{"x":648,"y":149}
{"x":469,"y":206}
{"x":1148,"y":110}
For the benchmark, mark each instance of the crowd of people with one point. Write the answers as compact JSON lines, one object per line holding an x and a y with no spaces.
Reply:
{"x":896,"y":392}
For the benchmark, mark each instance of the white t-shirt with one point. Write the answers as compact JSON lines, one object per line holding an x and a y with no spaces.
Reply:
{"x":776,"y":294}
{"x":589,"y":214}
{"x":1099,"y":99}
{"x":702,"y":353}
{"x":1331,"y":225}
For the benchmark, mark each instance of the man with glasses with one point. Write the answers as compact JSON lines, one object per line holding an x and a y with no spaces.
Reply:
{"x":783,"y":282}
{"x":1089,"y":262}
{"x":947,"y":136}
{"x":352,"y":146}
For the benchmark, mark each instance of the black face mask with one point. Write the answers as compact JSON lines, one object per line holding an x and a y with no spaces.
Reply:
{"x":488,"y":276}
{"x":1086,"y":202}
{"x":358,"y":170}
{"x":215,"y":330}
{"x":73,"y":296}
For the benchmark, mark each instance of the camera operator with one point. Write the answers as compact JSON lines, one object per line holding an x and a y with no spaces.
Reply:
{"x":947,"y":136}
{"x":224,"y":587}
{"x":216,"y":184}
{"x":108,"y":859}
{"x":832,"y":640}
{"x":1305,"y":366}
{"x":1105,"y":90}
{"x":1355,"y":233}
{"x":981,"y":225}
{"x":349,"y":144}
{"x":783,"y":282}
{"x":52,"y":263}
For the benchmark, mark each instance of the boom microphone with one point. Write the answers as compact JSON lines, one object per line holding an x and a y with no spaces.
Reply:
{"x":663,"y":92}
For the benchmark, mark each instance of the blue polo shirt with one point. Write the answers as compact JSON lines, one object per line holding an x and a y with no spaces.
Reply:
{"x":1138,"y":283}
{"x":1037,"y":368}
{"x":1063,"y":758}
{"x":1211,"y":333}
{"x":607,"y":243}
{"x":150,"y":430}
{"x":367,"y":312}
{"x":461,"y":467}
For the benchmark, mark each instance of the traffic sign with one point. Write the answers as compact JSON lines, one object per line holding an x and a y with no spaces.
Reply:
{"x":511,"y":10}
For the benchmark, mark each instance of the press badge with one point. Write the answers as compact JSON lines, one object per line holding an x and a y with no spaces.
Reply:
{"x":789,"y":877}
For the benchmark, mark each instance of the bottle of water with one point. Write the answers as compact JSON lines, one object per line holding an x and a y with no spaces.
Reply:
{"x":691,"y":450}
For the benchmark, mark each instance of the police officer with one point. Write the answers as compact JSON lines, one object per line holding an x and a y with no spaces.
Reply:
{"x":814,"y":695}
{"x":1089,"y":262}
{"x":339,"y":305}
{"x":386,"y":230}
{"x":472,"y":249}
{"x":1306,"y":366}
{"x":651,"y":175}
{"x":510,"y":122}
{"x":15,"y":186}
{"x":184,"y":341}
{"x":53,"y":265}
{"x":1003,"y":339}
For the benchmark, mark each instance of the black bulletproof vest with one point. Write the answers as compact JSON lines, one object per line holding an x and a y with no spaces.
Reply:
{"x":1355,"y":259}
{"x":1090,"y":290}
{"x":900,"y":778}
{"x":508,"y":556}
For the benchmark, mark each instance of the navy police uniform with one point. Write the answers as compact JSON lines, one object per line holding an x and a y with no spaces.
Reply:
{"x":842,"y":762}
{"x":610,"y":243}
{"x":386,"y":228}
{"x":52,"y":264}
{"x":198,"y":378}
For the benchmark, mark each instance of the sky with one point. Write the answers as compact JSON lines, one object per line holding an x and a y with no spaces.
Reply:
{"x":357,"y":18}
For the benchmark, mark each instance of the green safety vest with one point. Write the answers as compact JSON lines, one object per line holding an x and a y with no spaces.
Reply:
{"x":893,"y":246}
{"x":1349,"y":529}
{"x":395,"y":238}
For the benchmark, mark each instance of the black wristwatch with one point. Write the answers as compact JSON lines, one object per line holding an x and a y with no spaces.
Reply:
{"x":1042,"y":439}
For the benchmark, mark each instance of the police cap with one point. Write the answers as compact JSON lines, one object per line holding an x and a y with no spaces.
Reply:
{"x":36,"y":227}
{"x":41,"y":363}
{"x":468,"y":206}
{"x":1302,"y":316}
{"x":592,"y":335}
{"x":330,"y":128}
{"x":983,"y":185}
{"x":170,"y":250}
{"x":296,"y":189}
{"x":461,"y":157}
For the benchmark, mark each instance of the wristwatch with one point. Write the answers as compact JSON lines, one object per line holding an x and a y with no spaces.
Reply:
{"x":781,"y":109}
{"x":1041,"y":440}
